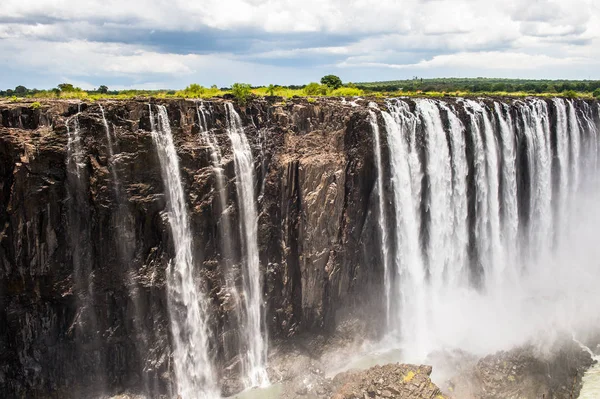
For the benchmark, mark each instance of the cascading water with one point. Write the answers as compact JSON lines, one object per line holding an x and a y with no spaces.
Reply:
{"x":79,"y":217}
{"x":510,"y":209}
{"x":111,"y":152}
{"x":80,"y":243}
{"x":460,"y":169}
{"x":382,"y":219}
{"x":254,"y":360}
{"x":409,"y":310}
{"x":451,"y":289}
{"x":187,"y":305}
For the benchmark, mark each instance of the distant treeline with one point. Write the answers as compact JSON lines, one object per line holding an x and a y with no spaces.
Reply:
{"x":332,"y":85}
{"x":480,"y":85}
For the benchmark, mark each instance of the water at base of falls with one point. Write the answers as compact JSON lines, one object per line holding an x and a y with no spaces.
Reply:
{"x":187,"y":305}
{"x":591,"y":382}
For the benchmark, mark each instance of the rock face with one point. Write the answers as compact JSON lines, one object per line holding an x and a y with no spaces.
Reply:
{"x":315,"y":172}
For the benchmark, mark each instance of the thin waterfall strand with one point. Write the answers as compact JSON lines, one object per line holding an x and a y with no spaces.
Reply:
{"x":187,"y":305}
{"x":254,"y":360}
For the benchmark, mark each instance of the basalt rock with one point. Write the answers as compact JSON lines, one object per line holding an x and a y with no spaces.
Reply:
{"x":315,"y":176}
{"x":525,"y":372}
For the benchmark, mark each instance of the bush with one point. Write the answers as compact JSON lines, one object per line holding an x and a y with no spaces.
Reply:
{"x":569,"y":94}
{"x":331,"y":81}
{"x":596,"y":93}
{"x":241,"y":92}
{"x":347,"y":91}
{"x":315,"y":89}
{"x":271,"y":90}
{"x":35,"y":105}
{"x":197,"y":91}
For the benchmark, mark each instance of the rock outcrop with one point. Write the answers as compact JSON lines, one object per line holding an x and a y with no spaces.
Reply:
{"x":525,"y":373}
{"x":402,"y":381}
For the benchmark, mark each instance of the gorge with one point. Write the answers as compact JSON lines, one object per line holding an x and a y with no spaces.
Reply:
{"x":179,"y":247}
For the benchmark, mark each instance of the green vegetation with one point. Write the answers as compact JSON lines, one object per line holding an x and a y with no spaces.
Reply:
{"x":241,"y":92}
{"x":466,"y":86}
{"x":315,"y":89}
{"x":331,"y":81}
{"x":196,"y":91}
{"x":332,"y":85}
{"x":35,"y":105}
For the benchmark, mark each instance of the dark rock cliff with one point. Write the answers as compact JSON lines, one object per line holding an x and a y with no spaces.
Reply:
{"x":315,"y":177}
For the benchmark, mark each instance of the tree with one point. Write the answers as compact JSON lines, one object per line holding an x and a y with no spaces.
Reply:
{"x":271,"y":90}
{"x":21,"y":90}
{"x":241,"y":92}
{"x":66,"y":87}
{"x":597,"y":93}
{"x":331,"y":81}
{"x":102,"y":89}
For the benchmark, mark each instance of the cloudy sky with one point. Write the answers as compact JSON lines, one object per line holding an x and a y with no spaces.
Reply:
{"x":171,"y":43}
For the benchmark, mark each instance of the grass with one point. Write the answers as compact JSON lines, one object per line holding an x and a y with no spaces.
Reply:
{"x":311,"y":92}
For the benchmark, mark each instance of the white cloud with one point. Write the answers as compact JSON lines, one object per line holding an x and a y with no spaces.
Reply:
{"x":490,"y":60}
{"x":65,"y":37}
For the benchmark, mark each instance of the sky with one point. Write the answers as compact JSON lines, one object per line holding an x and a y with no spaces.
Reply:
{"x":154,"y":44}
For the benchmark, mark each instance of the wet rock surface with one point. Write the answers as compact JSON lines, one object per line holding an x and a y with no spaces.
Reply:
{"x":403,"y":381}
{"x":525,"y":372}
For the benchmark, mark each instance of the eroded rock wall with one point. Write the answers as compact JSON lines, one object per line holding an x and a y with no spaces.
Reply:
{"x":315,"y":178}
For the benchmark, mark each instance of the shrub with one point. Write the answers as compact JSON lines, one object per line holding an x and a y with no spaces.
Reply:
{"x":197,"y":91}
{"x":347,"y":91}
{"x":331,"y":81}
{"x":192,"y":91}
{"x":570,"y":94}
{"x":596,"y":93}
{"x":241,"y":92}
{"x":315,"y":89}
{"x":271,"y":90}
{"x":35,"y":105}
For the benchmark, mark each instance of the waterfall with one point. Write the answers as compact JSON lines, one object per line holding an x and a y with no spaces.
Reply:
{"x":537,"y":131}
{"x":460,"y":170}
{"x":409,"y":312}
{"x":80,"y":243}
{"x":509,"y":199}
{"x":382,"y":220}
{"x":439,"y":206}
{"x":111,"y":152}
{"x":79,"y":217}
{"x":575,"y":136}
{"x":187,"y":305}
{"x":459,"y":193}
{"x":254,"y":360}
